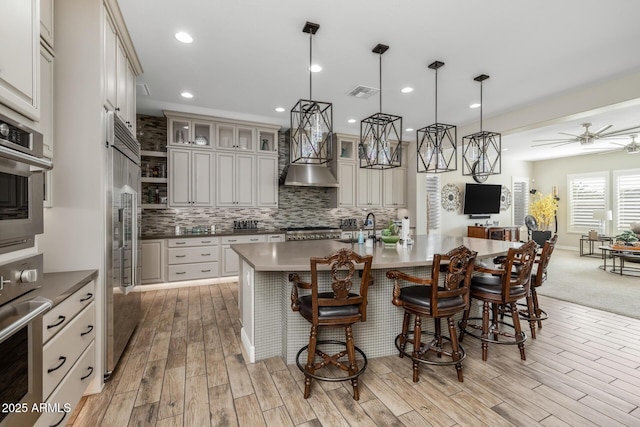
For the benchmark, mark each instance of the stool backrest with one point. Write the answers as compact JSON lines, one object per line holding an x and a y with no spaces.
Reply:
{"x":520,"y":262}
{"x":342,"y":265}
{"x":459,"y":263}
{"x":543,"y":262}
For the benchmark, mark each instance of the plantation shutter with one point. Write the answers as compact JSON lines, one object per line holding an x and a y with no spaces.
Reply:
{"x":433,"y":202}
{"x":587,"y":193}
{"x":627,"y":198}
{"x":520,"y":202}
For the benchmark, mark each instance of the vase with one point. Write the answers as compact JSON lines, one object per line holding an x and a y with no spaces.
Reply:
{"x":540,"y":236}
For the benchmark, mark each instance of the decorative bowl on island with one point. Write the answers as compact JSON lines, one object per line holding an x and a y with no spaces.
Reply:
{"x":390,"y":240}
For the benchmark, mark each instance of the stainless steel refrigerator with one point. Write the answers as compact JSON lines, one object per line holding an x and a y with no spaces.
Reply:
{"x":123,"y":306}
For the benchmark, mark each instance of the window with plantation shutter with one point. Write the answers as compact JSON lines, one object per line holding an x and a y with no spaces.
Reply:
{"x":627,"y":198}
{"x":520,"y":200}
{"x":433,"y":202}
{"x":587,"y":193}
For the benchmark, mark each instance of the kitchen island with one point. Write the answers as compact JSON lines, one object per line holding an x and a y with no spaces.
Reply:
{"x":269,"y":326}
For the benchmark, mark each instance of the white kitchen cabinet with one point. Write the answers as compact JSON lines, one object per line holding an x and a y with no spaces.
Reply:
{"x":235,"y":137}
{"x":153,"y":261}
{"x":274,"y":238}
{"x":395,"y":188}
{"x":154,"y":167}
{"x":347,"y":180}
{"x":235,"y":179}
{"x":110,"y":63}
{"x":347,"y":148}
{"x":193,"y":258}
{"x":68,"y":355}
{"x":267,"y":181}
{"x":46,"y":101}
{"x":20,"y":56}
{"x":230,"y":259}
{"x":267,"y":141}
{"x":369,"y":187}
{"x":183,"y":131}
{"x":122,"y":71}
{"x":190,"y":177}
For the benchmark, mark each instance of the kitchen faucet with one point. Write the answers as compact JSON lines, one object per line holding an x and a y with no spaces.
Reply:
{"x":366,"y":221}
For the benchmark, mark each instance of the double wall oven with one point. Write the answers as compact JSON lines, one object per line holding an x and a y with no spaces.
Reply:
{"x":21,"y":185}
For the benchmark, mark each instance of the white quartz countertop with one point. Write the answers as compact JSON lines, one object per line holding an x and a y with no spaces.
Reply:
{"x":294,"y":255}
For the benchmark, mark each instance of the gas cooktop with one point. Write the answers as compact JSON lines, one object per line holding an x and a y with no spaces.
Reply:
{"x":316,"y":232}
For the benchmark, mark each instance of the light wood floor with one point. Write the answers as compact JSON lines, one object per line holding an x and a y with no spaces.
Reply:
{"x":184,"y":367}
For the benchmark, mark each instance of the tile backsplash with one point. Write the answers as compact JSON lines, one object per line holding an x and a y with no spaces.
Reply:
{"x":298,"y":206}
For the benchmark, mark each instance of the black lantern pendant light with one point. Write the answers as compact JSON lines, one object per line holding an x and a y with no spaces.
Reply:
{"x":437,"y":150}
{"x":481,"y":150}
{"x":311,"y":122}
{"x":380,"y":143}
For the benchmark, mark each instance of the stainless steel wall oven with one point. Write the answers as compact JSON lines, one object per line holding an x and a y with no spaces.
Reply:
{"x":21,"y":185}
{"x":21,"y":341}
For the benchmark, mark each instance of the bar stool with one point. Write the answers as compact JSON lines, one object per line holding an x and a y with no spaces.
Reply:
{"x":499,"y":289}
{"x":538,"y":277}
{"x":338,"y":307}
{"x":440,"y":296}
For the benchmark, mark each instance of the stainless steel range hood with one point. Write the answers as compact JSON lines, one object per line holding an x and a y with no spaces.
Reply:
{"x":307,"y":175}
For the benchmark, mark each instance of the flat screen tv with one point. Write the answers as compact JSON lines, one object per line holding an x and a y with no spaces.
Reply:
{"x":482,"y":199}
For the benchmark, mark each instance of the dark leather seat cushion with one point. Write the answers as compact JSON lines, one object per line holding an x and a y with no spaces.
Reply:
{"x":421,"y":296}
{"x":305,"y":305}
{"x":489,"y":283}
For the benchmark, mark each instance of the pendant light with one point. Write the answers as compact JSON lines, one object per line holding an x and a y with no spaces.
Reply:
{"x":481,"y":151}
{"x":437,"y":151}
{"x":311,"y":121}
{"x":380,"y":142}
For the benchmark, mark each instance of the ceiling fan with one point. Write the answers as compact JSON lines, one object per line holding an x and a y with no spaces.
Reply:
{"x":587,"y":137}
{"x":631,"y":148}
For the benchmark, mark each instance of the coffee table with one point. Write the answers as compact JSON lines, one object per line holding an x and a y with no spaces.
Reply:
{"x":623,"y":255}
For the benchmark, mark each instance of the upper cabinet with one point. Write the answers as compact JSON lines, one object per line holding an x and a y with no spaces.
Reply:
{"x":267,"y":141}
{"x":236,"y":137}
{"x":46,"y":101}
{"x":121,"y":66}
{"x":184,"y":131}
{"x":20,"y":56}
{"x":46,"y":22}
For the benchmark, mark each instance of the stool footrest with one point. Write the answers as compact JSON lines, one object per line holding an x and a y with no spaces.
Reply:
{"x":492,"y":331}
{"x":428,"y":347}
{"x":325,"y":378}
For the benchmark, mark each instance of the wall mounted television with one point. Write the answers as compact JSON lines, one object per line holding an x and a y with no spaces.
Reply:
{"x":482,"y":199}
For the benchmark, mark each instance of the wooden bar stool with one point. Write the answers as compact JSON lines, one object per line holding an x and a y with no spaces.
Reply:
{"x":442,"y":295}
{"x":338,"y":307}
{"x":499,"y":289}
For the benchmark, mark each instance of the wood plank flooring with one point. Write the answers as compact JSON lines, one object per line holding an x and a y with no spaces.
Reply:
{"x":184,"y":367}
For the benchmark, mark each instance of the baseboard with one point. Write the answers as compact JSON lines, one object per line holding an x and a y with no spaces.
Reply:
{"x":247,"y":347}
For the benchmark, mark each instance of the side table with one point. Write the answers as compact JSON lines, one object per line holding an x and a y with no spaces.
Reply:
{"x":602,"y":240}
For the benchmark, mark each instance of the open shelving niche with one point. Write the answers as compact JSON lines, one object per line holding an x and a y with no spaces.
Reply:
{"x":151,"y":181}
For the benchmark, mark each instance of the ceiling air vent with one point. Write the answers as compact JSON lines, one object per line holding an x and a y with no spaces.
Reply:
{"x":142,"y":89}
{"x":363,"y":92}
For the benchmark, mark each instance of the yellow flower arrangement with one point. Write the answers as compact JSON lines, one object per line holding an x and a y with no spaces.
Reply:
{"x":543,"y":210}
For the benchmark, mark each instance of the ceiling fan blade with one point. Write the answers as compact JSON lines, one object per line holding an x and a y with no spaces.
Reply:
{"x":556,"y":140}
{"x":564,"y":143}
{"x":570,"y":134}
{"x":552,"y":143}
{"x":623,"y":131}
{"x":602,"y":129}
{"x":615,"y":143}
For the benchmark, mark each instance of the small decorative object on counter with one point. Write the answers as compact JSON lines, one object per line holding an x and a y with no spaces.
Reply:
{"x":361,"y":238}
{"x":177,"y":230}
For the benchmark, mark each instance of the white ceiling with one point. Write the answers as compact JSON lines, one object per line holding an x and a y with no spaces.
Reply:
{"x":250,"y":56}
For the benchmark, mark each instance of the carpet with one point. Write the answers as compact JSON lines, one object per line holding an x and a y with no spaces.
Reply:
{"x":579,"y":280}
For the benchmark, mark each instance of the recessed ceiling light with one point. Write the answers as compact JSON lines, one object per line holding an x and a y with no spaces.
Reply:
{"x":186,"y":95}
{"x":315,"y":68}
{"x":409,"y":129}
{"x":184,"y":37}
{"x":279,"y":109}
{"x":351,"y":121}
{"x":406,"y":89}
{"x":475,"y":105}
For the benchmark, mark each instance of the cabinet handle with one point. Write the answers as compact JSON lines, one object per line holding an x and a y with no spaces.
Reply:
{"x":232,"y":240}
{"x":88,"y":331}
{"x":88,"y":375}
{"x":88,"y":297}
{"x":181,"y":243}
{"x":205,"y":271}
{"x":117,"y":108}
{"x":63,"y":359}
{"x":205,"y":241}
{"x":64,"y":414}
{"x":253,"y":240}
{"x":180,"y":256}
{"x":58,"y":323}
{"x":181,"y":272}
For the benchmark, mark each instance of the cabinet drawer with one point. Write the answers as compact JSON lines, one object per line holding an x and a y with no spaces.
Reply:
{"x":232,"y":240}
{"x":203,"y":270}
{"x":68,"y":394}
{"x":191,"y":255}
{"x":62,"y":351}
{"x":61,"y":315}
{"x":192,"y":241}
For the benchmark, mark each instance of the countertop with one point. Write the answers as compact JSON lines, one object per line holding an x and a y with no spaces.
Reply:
{"x":172,"y":235}
{"x":294,"y":255}
{"x":59,"y":286}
